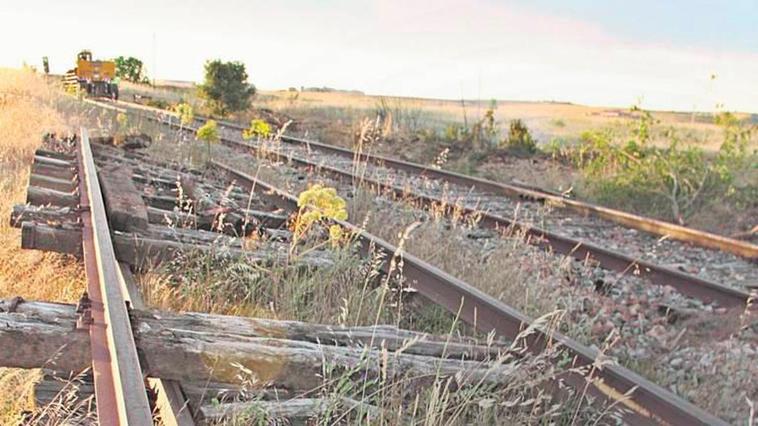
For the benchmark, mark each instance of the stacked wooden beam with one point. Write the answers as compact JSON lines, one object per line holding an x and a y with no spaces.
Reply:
{"x":155,"y":211}
{"x":231,"y":365}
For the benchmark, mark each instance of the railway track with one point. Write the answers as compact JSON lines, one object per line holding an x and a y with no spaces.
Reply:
{"x":118,"y":381}
{"x":709,"y":267}
{"x":648,"y":403}
{"x":722,"y":277}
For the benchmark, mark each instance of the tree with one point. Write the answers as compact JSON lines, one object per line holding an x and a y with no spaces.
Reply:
{"x":225,"y":87}
{"x":130,"y":69}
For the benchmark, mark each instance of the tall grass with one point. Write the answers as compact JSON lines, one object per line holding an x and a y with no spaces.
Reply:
{"x":28,"y":109}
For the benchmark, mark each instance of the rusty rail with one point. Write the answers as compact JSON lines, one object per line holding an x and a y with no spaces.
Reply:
{"x":119,"y":385}
{"x":646,"y":402}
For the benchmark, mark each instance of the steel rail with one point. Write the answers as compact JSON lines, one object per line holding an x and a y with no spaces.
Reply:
{"x":645,"y":402}
{"x":119,"y":384}
{"x":690,"y":285}
{"x":169,"y":398}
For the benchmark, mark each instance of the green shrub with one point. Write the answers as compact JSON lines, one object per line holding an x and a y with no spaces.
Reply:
{"x":482,"y":135}
{"x":185,"y":112}
{"x":454,"y":132}
{"x":674,"y":181}
{"x":520,"y":140}
{"x":225,"y":87}
{"x":558,"y":148}
{"x":158,"y":103}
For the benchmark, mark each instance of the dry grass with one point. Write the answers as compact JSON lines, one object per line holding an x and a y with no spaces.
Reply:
{"x":334,"y":115}
{"x":547,"y":120}
{"x":27,"y":111}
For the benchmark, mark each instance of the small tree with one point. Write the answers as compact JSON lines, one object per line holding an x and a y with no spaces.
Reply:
{"x":186,"y":117}
{"x":225,"y":87}
{"x":209,"y":134}
{"x":130,"y":69}
{"x":186,"y":113}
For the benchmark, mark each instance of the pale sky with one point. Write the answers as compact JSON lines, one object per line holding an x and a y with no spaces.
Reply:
{"x":613,"y":53}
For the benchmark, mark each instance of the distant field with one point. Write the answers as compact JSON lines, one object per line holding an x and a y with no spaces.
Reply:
{"x":546,"y":120}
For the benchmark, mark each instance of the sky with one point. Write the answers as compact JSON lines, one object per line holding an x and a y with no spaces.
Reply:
{"x":657,"y":54}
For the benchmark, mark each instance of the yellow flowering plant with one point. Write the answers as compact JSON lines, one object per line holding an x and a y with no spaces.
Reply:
{"x":122,"y":120}
{"x":257,"y":127}
{"x":319,"y":204}
{"x":185,"y":113}
{"x":122,"y":124}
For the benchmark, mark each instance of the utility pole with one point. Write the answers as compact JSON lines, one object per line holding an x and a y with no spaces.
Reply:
{"x":155,"y":66}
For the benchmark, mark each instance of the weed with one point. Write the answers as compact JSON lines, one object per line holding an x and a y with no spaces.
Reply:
{"x":258,"y":128}
{"x":316,"y":206}
{"x":185,"y":112}
{"x":208,"y":133}
{"x":681,"y":179}
{"x":519,"y":140}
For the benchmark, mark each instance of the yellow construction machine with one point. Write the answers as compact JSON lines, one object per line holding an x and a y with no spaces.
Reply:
{"x":94,"y":78}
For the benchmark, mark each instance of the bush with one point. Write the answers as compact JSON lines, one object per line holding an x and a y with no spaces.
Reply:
{"x":676,"y":179}
{"x":130,"y":69}
{"x":209,"y":134}
{"x":482,"y":135}
{"x":158,"y":103}
{"x":520,"y":140}
{"x":225,"y":87}
{"x":185,"y":113}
